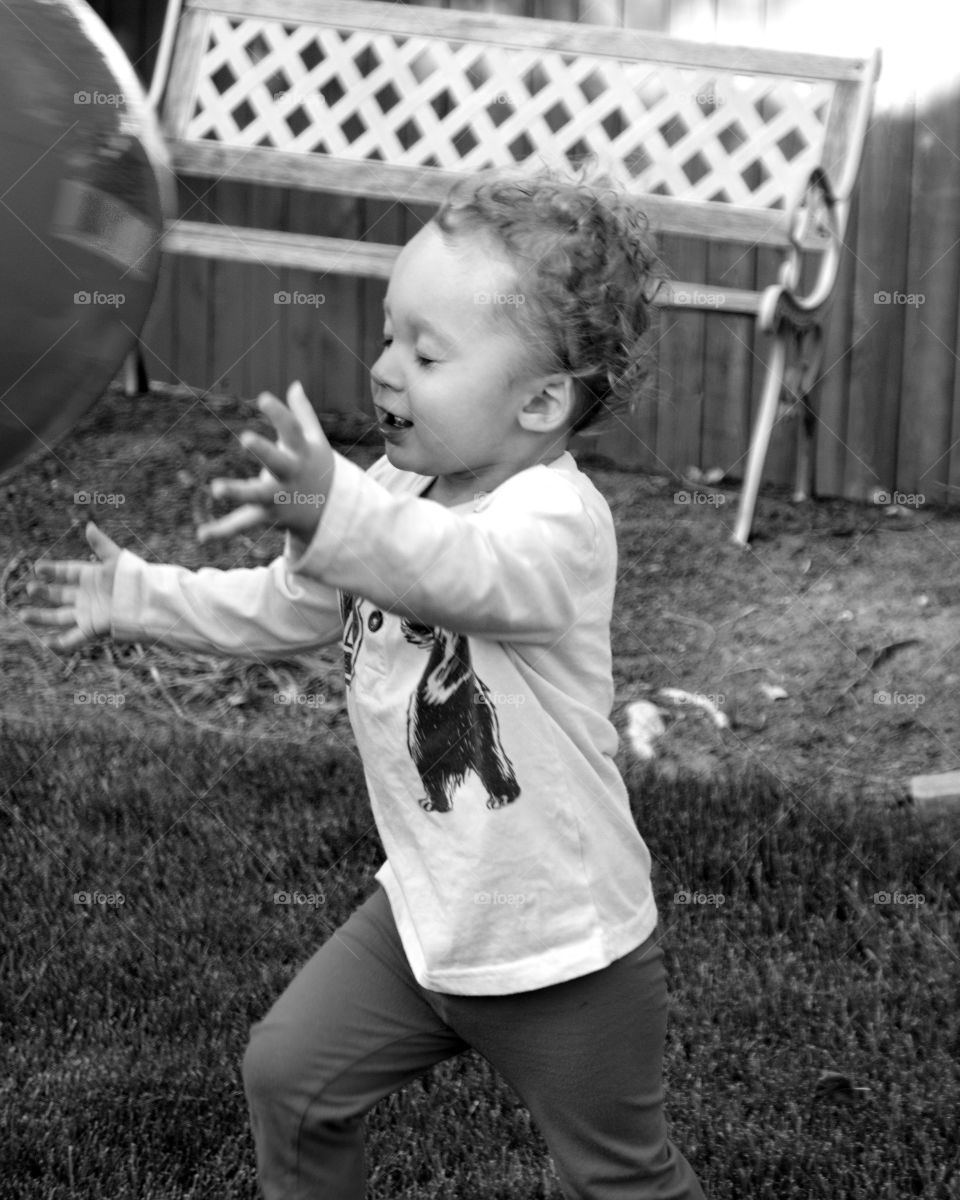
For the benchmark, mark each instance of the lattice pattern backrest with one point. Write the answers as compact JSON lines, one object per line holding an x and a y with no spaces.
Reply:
{"x":694,"y":133}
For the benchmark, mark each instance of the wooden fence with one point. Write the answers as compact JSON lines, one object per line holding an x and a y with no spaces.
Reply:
{"x":889,"y":401}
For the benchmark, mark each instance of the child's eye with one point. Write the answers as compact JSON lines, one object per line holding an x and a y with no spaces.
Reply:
{"x":424,"y":361}
{"x":387,"y":341}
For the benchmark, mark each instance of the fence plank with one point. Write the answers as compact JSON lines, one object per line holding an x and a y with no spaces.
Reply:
{"x":832,"y":399}
{"x":728,"y":366}
{"x":157,"y":339}
{"x":136,"y":24}
{"x":322,"y":350}
{"x":264,"y":366}
{"x":555,"y":10}
{"x":876,"y":354}
{"x":192,"y":321}
{"x":953,"y":454}
{"x":646,"y":14}
{"x":601,"y":12}
{"x":933,"y":271}
{"x":681,"y":379}
{"x":230,"y":347}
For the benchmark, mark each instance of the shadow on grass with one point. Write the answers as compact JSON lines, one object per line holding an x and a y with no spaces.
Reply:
{"x":142,"y":873}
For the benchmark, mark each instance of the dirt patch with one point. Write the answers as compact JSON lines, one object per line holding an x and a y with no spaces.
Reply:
{"x":830,"y":647}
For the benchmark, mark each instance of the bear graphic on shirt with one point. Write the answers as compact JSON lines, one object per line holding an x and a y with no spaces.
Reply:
{"x":452,"y":725}
{"x":352,"y":633}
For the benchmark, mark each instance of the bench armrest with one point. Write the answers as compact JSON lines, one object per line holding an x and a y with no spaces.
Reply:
{"x":780,"y":302}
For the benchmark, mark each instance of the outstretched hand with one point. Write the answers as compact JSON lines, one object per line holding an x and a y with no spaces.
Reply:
{"x":80,"y":592}
{"x":297,"y":473}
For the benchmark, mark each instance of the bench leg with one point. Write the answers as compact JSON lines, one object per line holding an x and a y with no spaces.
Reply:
{"x":760,"y":440}
{"x":804,"y":482}
{"x":810,"y":352}
{"x":135,"y":381}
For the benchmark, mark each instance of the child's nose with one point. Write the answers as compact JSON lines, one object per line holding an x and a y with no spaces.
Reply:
{"x":385,"y":372}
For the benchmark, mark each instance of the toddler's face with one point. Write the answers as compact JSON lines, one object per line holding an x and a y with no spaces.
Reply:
{"x":454,"y":373}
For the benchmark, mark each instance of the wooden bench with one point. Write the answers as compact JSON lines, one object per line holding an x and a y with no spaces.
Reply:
{"x":393,"y":102}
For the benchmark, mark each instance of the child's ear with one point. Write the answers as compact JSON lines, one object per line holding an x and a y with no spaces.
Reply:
{"x":551,"y":408}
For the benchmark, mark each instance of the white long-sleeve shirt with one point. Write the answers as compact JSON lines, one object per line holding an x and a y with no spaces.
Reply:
{"x":477,"y":657}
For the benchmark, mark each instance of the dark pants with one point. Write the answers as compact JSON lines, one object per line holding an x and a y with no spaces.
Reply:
{"x":584,"y":1056}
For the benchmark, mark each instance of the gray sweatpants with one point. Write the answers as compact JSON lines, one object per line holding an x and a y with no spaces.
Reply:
{"x":584,"y":1056}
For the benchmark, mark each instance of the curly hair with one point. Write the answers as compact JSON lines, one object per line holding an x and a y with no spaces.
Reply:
{"x":588,"y":269}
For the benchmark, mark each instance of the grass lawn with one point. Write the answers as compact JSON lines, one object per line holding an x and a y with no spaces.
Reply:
{"x":181,"y":812}
{"x":124,"y":1022}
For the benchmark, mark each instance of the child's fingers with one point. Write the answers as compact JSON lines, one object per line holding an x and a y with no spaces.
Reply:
{"x":103,"y":546}
{"x":62,"y":570}
{"x":282,"y":419}
{"x":245,"y":491}
{"x":274,"y":457}
{"x":67,"y":570}
{"x":52,"y":593}
{"x":47,"y":616}
{"x":240,"y":520}
{"x":69,"y":641}
{"x":303,"y":410}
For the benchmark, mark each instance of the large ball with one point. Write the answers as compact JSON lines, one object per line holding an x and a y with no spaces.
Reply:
{"x":84,"y":188}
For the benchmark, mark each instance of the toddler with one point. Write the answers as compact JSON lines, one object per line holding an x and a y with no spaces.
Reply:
{"x":470,"y":575}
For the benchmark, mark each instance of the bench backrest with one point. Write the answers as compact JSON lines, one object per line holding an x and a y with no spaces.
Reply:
{"x":394,"y":101}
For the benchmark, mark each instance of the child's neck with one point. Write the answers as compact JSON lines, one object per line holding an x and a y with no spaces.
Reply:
{"x":451,"y":491}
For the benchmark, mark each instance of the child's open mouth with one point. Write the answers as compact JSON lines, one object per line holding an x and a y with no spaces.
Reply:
{"x":389,"y":420}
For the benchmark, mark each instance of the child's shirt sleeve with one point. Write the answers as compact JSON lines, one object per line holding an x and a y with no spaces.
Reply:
{"x":513,"y":567}
{"x":248,"y":612}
